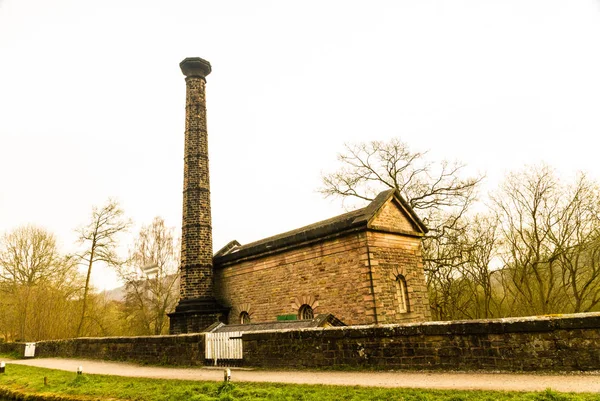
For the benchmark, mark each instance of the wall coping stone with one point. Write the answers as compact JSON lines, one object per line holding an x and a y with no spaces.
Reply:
{"x":545,"y":323}
{"x":190,"y":337}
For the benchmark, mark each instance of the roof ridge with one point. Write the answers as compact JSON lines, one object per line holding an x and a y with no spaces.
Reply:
{"x":308,"y":226}
{"x":334,"y":225}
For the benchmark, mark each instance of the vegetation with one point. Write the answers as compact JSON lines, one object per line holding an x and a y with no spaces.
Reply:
{"x":532,"y":248}
{"x":99,"y":238}
{"x":151,"y":279}
{"x":31,"y":380}
{"x":44,"y":296}
{"x":37,"y":285}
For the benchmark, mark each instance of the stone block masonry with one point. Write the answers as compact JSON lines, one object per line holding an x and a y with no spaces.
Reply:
{"x":185,"y":349}
{"x":328,"y":275}
{"x":550,"y":343}
{"x":197,"y":308}
{"x":568,"y":343}
{"x":391,"y":255}
{"x":337,"y":275}
{"x":196,"y":248}
{"x":364,"y":267}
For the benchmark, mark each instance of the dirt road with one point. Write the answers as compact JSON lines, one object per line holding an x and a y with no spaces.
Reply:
{"x":579,"y":382}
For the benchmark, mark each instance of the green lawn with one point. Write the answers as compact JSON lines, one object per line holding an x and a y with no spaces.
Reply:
{"x":102,"y":387}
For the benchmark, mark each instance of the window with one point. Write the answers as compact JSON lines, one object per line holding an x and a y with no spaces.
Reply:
{"x":402,"y":294}
{"x":244,"y":317}
{"x":305,"y":312}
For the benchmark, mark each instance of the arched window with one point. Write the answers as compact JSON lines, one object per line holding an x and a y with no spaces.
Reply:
{"x":244,"y":317}
{"x":305,"y":312}
{"x":402,"y":294}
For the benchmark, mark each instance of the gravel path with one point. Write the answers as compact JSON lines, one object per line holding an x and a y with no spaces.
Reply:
{"x":578,"y":382}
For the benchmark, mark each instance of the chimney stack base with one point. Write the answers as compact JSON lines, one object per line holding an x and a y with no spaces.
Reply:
{"x":195,"y":315}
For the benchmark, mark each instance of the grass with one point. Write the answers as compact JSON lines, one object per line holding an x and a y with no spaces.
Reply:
{"x":30,"y":380}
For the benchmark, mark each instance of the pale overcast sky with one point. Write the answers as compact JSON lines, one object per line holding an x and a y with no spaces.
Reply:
{"x":92,"y":100}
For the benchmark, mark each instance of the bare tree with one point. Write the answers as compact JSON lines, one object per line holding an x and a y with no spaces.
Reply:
{"x":100,"y":240}
{"x":481,"y":244}
{"x":369,"y":168}
{"x":576,"y":238}
{"x":150,"y":278}
{"x":528,"y":207}
{"x":29,"y":255}
{"x":536,"y":252}
{"x":30,"y":263}
{"x":446,"y":257}
{"x":436,"y":191}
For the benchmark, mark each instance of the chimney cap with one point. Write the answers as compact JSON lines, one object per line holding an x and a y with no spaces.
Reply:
{"x":195,"y":67}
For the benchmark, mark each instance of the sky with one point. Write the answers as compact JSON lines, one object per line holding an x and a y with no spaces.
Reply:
{"x":92,"y":101}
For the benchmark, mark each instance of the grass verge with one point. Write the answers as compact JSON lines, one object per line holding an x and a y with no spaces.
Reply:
{"x":61,"y":385}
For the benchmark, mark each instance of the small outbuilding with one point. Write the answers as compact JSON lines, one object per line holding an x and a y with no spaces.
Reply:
{"x":323,"y":320}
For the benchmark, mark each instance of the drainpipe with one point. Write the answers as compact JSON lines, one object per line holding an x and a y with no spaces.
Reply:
{"x":371,"y":277}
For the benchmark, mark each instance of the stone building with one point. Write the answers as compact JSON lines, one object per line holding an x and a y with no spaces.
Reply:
{"x":363,"y":267}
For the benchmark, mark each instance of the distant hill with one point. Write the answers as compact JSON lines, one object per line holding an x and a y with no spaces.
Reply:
{"x":116,"y":294}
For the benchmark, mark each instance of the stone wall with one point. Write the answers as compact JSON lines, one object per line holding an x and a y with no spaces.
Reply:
{"x":186,"y":349}
{"x":12,"y":348}
{"x":559,"y":343}
{"x":567,"y":343}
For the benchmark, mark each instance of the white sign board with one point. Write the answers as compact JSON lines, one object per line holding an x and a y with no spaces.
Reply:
{"x":29,"y":350}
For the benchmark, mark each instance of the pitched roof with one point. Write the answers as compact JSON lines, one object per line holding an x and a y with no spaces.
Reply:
{"x":323,"y":320}
{"x":356,"y":219}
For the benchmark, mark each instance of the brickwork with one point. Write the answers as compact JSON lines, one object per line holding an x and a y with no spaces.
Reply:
{"x":391,"y":218}
{"x":569,"y":343}
{"x":393,"y":255}
{"x":197,"y":308}
{"x":336,"y":275}
{"x":332,"y":276}
{"x":192,"y":322}
{"x":196,"y":241}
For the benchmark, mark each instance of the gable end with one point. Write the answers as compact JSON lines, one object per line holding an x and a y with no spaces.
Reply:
{"x":394,"y":215}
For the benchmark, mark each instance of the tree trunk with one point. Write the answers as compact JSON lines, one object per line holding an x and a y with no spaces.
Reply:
{"x":85,"y":291}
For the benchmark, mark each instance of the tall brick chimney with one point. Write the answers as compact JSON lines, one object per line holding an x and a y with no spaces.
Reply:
{"x":197,"y":308}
